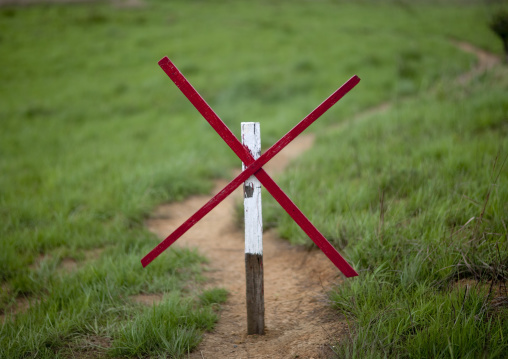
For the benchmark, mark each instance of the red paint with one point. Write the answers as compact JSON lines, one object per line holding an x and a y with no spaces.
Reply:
{"x":253,"y":167}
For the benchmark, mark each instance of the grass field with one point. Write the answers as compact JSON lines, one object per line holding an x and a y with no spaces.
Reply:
{"x":418,"y":199}
{"x":93,"y":135}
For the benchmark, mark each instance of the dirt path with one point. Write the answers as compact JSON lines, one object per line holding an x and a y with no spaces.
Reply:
{"x":299,"y":322}
{"x":486,"y":61}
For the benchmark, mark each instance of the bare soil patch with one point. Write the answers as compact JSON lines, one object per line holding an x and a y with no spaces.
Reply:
{"x":147,"y":299}
{"x":69,"y":264}
{"x":20,"y":305}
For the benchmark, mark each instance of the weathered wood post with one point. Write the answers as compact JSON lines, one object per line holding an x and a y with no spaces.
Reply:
{"x":251,"y":138}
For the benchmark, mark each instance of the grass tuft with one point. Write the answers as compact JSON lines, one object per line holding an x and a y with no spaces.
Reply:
{"x":172,"y":327}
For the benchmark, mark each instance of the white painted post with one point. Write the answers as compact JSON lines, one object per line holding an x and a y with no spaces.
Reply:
{"x":251,"y":138}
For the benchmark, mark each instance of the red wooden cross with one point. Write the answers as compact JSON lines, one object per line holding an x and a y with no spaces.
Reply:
{"x":253,"y":167}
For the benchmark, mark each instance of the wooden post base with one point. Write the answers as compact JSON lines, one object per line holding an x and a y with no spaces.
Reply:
{"x":255,"y":294}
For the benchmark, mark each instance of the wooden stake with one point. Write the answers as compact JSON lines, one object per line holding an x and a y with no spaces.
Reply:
{"x":251,"y":138}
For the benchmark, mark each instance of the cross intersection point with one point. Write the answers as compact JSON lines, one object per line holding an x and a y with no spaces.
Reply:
{"x":253,"y":167}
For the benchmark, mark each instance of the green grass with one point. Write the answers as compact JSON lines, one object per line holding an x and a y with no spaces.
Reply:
{"x":93,"y":135}
{"x":418,"y":199}
{"x":171,"y":328}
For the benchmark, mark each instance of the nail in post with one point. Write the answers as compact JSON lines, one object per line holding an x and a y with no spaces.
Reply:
{"x":251,"y":138}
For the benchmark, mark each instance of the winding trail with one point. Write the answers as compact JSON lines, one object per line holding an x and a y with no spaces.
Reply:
{"x":298,"y":319}
{"x":299,"y":322}
{"x":486,"y":61}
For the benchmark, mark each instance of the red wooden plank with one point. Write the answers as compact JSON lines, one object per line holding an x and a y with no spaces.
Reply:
{"x":245,"y":156}
{"x":207,"y":112}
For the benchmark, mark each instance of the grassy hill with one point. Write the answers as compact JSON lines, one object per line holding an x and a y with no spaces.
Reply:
{"x":93,"y":135}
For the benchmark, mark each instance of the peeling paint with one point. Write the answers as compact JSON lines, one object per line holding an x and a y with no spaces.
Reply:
{"x":248,"y":190}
